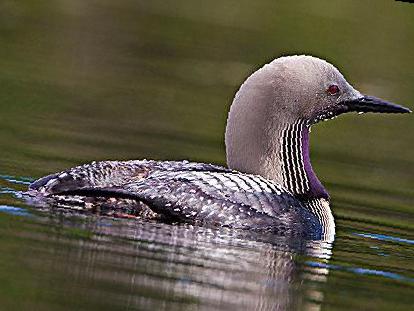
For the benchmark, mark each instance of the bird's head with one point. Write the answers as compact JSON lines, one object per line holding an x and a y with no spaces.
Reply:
{"x":311,"y":89}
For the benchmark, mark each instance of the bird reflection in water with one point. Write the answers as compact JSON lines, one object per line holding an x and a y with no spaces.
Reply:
{"x":163,"y":266}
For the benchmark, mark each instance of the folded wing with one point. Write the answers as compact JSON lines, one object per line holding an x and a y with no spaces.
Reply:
{"x":184,"y":191}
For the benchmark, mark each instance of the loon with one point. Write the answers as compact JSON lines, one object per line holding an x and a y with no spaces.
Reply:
{"x":269,"y":184}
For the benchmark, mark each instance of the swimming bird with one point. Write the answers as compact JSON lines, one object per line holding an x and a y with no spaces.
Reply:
{"x":269,"y":184}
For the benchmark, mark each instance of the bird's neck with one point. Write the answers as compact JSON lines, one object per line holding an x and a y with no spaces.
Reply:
{"x":293,"y":158}
{"x":281,"y":156}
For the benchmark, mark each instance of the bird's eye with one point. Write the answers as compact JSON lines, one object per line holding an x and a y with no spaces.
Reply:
{"x":333,"y":89}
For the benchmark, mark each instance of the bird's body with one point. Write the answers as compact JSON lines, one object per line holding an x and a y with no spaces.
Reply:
{"x":185,"y":191}
{"x":269,"y":185}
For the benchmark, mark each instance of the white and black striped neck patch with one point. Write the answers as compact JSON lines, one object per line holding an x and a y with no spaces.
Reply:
{"x":294,"y":174}
{"x":322,"y":210}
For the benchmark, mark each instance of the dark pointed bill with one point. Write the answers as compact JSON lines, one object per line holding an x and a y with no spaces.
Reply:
{"x":373,"y":104}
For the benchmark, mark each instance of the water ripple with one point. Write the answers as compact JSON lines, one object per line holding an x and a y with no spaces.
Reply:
{"x":17,"y":179}
{"x":7,"y":190}
{"x":12,"y":210}
{"x":384,"y":237}
{"x":361,"y":271}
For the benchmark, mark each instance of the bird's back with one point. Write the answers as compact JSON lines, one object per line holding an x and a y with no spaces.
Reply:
{"x":182,"y":191}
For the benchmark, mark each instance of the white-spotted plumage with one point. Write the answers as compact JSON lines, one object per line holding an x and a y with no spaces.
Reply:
{"x":184,"y":191}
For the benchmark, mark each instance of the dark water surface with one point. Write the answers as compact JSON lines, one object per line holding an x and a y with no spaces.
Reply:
{"x":89,"y":80}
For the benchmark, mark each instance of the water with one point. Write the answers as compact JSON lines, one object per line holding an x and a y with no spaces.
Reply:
{"x":135,"y":79}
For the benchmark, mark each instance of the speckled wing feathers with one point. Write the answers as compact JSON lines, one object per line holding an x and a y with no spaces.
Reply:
{"x":110,"y":174}
{"x":197,"y":196}
{"x":184,"y":191}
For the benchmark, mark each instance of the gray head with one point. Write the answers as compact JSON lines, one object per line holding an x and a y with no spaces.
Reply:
{"x":290,"y":91}
{"x":308,"y":88}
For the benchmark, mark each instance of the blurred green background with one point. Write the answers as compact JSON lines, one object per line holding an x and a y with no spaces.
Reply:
{"x":94,"y":80}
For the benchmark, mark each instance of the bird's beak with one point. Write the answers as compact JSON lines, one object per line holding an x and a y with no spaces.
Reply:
{"x":373,"y":104}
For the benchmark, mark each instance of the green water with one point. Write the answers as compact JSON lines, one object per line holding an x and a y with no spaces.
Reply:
{"x":88,"y":80}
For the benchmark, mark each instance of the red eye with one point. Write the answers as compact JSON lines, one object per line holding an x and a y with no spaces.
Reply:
{"x":333,"y":89}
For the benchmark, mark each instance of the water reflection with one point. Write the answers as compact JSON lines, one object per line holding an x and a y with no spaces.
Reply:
{"x":186,"y":265}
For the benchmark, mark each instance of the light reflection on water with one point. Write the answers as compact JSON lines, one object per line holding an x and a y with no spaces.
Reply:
{"x":357,"y":270}
{"x":13,"y":210}
{"x":384,"y":237}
